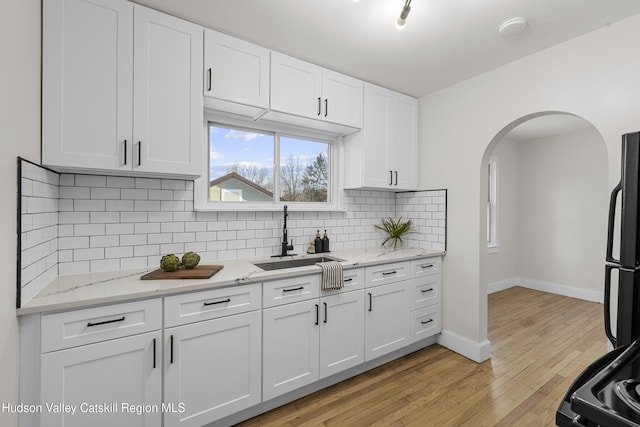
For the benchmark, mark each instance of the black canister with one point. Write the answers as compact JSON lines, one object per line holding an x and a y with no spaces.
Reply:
{"x":317,"y":243}
{"x":325,"y":242}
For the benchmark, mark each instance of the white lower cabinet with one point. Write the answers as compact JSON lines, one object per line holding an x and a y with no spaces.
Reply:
{"x":386,"y":319}
{"x":290,"y":347}
{"x":110,"y":383}
{"x":221,"y":351}
{"x":212,"y":369}
{"x":341,"y":332}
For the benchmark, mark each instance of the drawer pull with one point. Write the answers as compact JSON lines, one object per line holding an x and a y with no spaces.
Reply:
{"x":424,"y":322}
{"x":348,"y":280}
{"x":217,"y":302}
{"x":154,"y":353}
{"x":387,"y":273}
{"x":426,"y":290}
{"x":105,"y":322}
{"x":293,"y":289}
{"x":426,"y":266}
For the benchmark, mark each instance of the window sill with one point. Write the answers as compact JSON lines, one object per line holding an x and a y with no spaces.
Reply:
{"x":270,"y":207}
{"x":493,"y":249}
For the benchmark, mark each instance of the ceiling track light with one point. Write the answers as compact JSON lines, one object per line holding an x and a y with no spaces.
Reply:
{"x":402,"y":19}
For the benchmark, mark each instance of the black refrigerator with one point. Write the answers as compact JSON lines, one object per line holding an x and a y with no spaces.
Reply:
{"x":607,"y":393}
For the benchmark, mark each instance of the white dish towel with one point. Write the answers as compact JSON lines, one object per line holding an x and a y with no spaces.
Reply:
{"x":332,"y":277}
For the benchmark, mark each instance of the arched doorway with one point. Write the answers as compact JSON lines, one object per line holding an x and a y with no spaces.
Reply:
{"x":551,"y":185}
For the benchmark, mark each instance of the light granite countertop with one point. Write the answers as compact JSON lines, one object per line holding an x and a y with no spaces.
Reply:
{"x":84,"y":290}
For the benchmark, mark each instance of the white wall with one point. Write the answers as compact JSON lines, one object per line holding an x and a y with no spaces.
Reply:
{"x":593,"y":76}
{"x":19,"y":136}
{"x":562,"y":210}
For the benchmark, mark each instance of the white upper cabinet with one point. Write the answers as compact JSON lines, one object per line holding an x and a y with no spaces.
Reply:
{"x":307,"y":90}
{"x":383,"y":155}
{"x":168,"y":101}
{"x":102,"y":111}
{"x":235,"y":72}
{"x":87,"y":83}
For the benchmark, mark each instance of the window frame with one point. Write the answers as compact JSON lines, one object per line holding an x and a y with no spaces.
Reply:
{"x":493,"y":245}
{"x":335,"y":152}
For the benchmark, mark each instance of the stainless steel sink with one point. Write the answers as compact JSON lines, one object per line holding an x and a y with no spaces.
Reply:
{"x":291,"y":263}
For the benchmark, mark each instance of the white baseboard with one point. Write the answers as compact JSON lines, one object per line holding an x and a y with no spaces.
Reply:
{"x":476,"y":351}
{"x":501,"y":285}
{"x":554,"y":288}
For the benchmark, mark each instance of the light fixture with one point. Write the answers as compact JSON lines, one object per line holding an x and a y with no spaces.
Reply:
{"x":512,"y":26}
{"x":402,"y":19}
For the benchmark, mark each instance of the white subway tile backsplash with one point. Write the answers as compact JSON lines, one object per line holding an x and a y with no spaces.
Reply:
{"x":88,"y":254}
{"x":120,"y":182}
{"x":105,"y":193}
{"x":99,"y":223}
{"x":90,"y":181}
{"x":149,"y":183}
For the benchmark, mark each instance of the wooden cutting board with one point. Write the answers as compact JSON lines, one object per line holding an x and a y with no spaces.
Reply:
{"x":198,"y":272}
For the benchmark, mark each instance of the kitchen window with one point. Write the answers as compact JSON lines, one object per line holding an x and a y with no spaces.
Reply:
{"x":492,"y":206}
{"x":262,"y":166}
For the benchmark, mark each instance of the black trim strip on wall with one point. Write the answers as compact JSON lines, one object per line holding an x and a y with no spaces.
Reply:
{"x":19,"y":235}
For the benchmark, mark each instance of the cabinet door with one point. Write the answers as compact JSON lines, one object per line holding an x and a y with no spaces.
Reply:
{"x":342,"y":98}
{"x":235,"y":70}
{"x":296,"y":86}
{"x":341,"y":332}
{"x":114,"y":375}
{"x":87,"y":84}
{"x":403,"y":141}
{"x":290,"y":347}
{"x":386,"y":319}
{"x":168,"y":99}
{"x":212,"y":368}
{"x":375,"y":168}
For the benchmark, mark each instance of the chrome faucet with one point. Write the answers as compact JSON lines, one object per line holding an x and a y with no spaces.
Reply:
{"x":285,"y":239}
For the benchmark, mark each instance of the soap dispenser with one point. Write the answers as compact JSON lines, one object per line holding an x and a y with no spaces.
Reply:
{"x":325,"y":242}
{"x":318,"y":243}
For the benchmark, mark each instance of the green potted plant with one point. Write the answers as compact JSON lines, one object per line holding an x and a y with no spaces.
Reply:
{"x":395,"y":230}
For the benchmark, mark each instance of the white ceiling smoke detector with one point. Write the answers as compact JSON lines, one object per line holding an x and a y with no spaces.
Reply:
{"x":512,"y":26}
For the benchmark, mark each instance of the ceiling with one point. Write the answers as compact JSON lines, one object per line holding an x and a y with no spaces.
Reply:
{"x":548,"y":125}
{"x":444,"y":42}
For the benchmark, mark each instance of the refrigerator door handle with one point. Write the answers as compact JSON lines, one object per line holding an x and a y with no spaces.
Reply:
{"x":607,"y":302}
{"x":611,"y":224}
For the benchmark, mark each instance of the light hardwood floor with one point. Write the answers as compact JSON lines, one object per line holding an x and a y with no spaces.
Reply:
{"x":539,"y":343}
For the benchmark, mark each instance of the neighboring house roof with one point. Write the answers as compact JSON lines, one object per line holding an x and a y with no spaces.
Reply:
{"x":234,"y":175}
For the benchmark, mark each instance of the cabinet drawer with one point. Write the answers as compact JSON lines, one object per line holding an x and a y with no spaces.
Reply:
{"x":425,"y":322}
{"x":425,"y":267}
{"x":194,"y":307}
{"x":387,"y":273}
{"x":425,"y":291}
{"x":90,"y":325}
{"x":353,"y":280}
{"x":290,"y":290}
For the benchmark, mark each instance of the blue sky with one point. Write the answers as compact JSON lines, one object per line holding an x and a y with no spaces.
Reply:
{"x":230,"y":146}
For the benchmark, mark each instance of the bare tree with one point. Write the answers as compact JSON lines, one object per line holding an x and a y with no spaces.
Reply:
{"x":255,"y":174}
{"x":291,"y":179}
{"x":314,"y":181}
